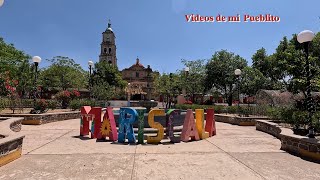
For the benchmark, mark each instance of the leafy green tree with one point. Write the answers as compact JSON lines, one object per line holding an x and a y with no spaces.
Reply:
{"x":297,"y":62}
{"x":220,"y":72}
{"x":194,"y":80}
{"x":252,"y":80}
{"x":63,"y":73}
{"x":103,"y":91}
{"x":261,"y":62}
{"x":14,"y":65}
{"x":168,"y":86}
{"x":271,"y":66}
{"x":107,"y":81}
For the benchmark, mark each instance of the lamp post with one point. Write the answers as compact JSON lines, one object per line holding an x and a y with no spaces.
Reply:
{"x":1,"y":2}
{"x":237,"y":72}
{"x":305,"y":37}
{"x":90,"y":63}
{"x":129,"y":90}
{"x":36,"y":60}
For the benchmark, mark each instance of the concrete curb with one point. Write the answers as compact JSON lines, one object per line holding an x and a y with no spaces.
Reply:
{"x":294,"y":144}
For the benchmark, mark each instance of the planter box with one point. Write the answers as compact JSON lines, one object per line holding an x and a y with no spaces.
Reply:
{"x":299,"y":145}
{"x":236,"y":120}
{"x":37,"y":119}
{"x":11,"y":140}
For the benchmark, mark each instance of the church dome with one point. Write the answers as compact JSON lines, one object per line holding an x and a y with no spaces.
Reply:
{"x":109,"y":29}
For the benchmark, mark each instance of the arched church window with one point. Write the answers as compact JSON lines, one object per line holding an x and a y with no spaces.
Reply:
{"x":110,"y":62}
{"x":109,"y":50}
{"x":137,"y":74}
{"x":105,"y":50}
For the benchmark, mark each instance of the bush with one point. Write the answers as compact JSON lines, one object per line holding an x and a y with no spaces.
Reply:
{"x":316,"y":121}
{"x":217,"y":109}
{"x":232,"y":109}
{"x":41,"y":104}
{"x":53,"y":104}
{"x":4,"y":102}
{"x":76,"y":104}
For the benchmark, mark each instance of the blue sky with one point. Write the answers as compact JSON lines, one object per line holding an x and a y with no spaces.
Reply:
{"x":156,"y":31}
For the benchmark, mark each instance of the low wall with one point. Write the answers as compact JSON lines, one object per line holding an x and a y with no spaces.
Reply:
{"x":233,"y":119}
{"x":11,"y":140}
{"x":269,"y":127}
{"x":37,"y":119}
{"x":299,"y":145}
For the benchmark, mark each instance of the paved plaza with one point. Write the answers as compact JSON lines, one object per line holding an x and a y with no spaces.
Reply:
{"x":55,"y":151}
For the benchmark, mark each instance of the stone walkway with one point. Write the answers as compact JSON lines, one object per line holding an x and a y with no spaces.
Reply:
{"x":55,"y":151}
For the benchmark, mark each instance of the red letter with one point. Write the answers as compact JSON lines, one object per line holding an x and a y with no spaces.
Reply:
{"x":246,"y":17}
{"x":188,"y":17}
{"x":95,"y":115}
{"x":210,"y":123}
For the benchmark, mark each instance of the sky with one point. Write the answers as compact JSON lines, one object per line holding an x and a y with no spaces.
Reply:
{"x":155,"y":31}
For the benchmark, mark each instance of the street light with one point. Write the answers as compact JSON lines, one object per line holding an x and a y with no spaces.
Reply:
{"x":90,"y":63}
{"x":237,"y":72}
{"x":305,"y":37}
{"x":129,"y":90}
{"x":1,"y":2}
{"x":36,"y":60}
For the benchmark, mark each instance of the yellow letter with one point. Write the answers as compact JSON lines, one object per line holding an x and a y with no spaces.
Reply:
{"x":155,"y":125}
{"x":200,"y":124}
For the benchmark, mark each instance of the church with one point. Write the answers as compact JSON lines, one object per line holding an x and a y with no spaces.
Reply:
{"x":139,"y":78}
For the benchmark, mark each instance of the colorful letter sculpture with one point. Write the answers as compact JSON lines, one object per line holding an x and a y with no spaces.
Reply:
{"x":126,"y":118}
{"x":155,"y":125}
{"x":108,"y":128}
{"x":169,"y":123}
{"x":141,"y":112}
{"x":210,"y":123}
{"x":189,"y":128}
{"x":85,"y":120}
{"x":95,"y":115}
{"x":192,"y":127}
{"x":200,"y":125}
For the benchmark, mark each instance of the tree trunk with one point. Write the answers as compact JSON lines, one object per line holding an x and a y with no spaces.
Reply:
{"x":230,"y":96}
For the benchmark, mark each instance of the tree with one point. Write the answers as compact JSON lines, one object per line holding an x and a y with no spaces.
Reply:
{"x":261,"y":62}
{"x":288,"y":64}
{"x":252,"y":80}
{"x":14,"y":65}
{"x":271,"y":66}
{"x":168,"y":86}
{"x":220,"y":72}
{"x":106,"y":81}
{"x":63,"y":73}
{"x":194,"y":80}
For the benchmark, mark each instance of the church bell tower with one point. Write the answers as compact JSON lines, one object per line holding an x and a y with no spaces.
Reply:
{"x":108,"y":46}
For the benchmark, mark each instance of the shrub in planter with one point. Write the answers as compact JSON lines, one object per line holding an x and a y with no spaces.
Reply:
{"x":274,"y":113}
{"x":76,"y":104}
{"x":232,"y":109}
{"x":64,"y":97}
{"x":40,"y":106}
{"x":218,"y":109}
{"x":52,"y":104}
{"x":299,"y":118}
{"x":316,"y":121}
